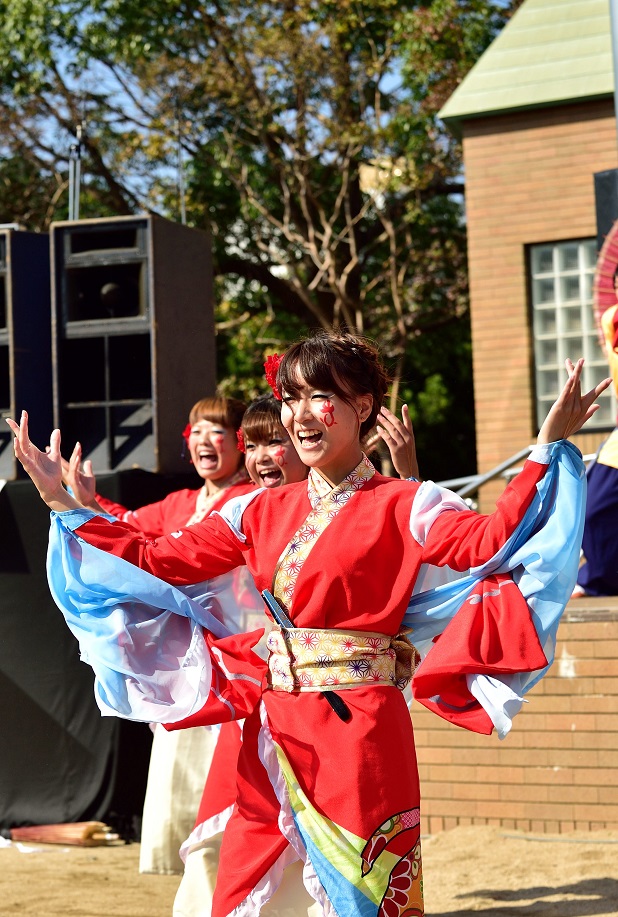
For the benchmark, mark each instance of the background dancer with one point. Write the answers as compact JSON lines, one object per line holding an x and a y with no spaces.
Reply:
{"x":179,"y":761}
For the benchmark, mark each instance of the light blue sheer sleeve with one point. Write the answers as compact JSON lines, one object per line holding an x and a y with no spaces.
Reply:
{"x":142,"y":637}
{"x":542,"y":556}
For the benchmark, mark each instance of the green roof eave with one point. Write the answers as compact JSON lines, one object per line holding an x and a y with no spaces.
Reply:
{"x":455,"y":122}
{"x":552,"y":52}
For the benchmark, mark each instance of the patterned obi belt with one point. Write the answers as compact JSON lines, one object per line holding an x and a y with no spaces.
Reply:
{"x":302,"y":659}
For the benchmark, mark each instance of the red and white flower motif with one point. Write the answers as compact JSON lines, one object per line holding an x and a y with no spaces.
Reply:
{"x":308,"y":533}
{"x":404,"y":895}
{"x":293,"y":567}
{"x":308,"y":640}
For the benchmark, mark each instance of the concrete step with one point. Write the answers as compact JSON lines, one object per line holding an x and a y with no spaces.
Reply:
{"x":592,"y":608}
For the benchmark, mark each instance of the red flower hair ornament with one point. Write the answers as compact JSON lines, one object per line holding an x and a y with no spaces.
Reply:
{"x":240,"y":440}
{"x":186,"y":433}
{"x":271,"y":366}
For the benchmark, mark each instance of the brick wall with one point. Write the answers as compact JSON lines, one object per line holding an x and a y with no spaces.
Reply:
{"x":557,"y":770}
{"x":529,"y":179}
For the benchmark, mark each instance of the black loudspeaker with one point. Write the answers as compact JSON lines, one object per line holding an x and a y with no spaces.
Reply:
{"x":606,"y":201}
{"x":25,"y":340}
{"x":132,"y":337}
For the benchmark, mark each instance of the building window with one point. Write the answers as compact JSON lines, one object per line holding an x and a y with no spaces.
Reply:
{"x":564,"y":326}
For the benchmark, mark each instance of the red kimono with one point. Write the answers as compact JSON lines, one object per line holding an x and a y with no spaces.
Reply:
{"x":342,"y":795}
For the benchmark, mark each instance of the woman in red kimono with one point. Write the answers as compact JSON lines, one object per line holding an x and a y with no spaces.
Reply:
{"x":327,"y":774}
{"x":598,"y":574}
{"x":179,"y":761}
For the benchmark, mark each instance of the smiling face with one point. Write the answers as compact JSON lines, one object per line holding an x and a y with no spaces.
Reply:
{"x":213,"y":450}
{"x":325,"y":428}
{"x":272,"y":460}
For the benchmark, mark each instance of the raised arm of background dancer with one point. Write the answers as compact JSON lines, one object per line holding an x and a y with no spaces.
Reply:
{"x":399,"y":437}
{"x":45,"y":468}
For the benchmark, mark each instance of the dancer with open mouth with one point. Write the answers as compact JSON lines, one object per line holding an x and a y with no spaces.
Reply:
{"x":179,"y":761}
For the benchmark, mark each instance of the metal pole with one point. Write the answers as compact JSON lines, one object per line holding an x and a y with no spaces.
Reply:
{"x":180,"y":166}
{"x":181,"y":185}
{"x":71,"y":182}
{"x":613,"y":15}
{"x":78,"y":172}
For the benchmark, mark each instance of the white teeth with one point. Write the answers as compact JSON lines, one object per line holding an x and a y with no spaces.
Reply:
{"x":309,"y":435}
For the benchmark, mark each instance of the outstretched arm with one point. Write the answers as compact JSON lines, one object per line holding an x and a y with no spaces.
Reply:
{"x":45,"y":468}
{"x":465,"y":539}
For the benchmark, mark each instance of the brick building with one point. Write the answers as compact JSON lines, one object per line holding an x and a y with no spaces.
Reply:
{"x":536,"y":118}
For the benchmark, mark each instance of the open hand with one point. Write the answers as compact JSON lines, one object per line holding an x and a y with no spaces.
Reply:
{"x":80,"y":478}
{"x":571,"y":409}
{"x":45,"y":468}
{"x":399,"y":437}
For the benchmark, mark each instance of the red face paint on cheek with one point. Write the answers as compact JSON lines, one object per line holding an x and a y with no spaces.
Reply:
{"x":328,"y":410}
{"x":279,"y":456}
{"x":218,"y":441}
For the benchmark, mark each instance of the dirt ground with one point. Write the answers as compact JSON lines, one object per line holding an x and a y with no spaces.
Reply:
{"x":480,"y":871}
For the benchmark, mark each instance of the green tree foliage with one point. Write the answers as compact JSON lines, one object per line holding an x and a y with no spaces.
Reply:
{"x":312,"y":151}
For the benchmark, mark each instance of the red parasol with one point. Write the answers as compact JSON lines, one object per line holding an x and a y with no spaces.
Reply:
{"x":604,"y":294}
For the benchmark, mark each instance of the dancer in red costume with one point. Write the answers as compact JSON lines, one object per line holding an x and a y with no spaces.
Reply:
{"x":327,"y":772}
{"x":179,"y":761}
{"x":271,"y":461}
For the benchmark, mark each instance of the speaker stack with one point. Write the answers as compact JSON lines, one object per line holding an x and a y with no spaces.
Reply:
{"x":132,"y":337}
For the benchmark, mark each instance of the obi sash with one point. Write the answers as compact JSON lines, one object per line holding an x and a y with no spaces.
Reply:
{"x":302,"y":659}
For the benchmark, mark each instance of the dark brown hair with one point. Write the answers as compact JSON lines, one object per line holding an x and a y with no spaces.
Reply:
{"x":261,"y":419}
{"x":346,"y":364}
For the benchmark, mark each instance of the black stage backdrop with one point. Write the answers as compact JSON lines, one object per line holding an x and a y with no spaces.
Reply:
{"x":60,"y":760}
